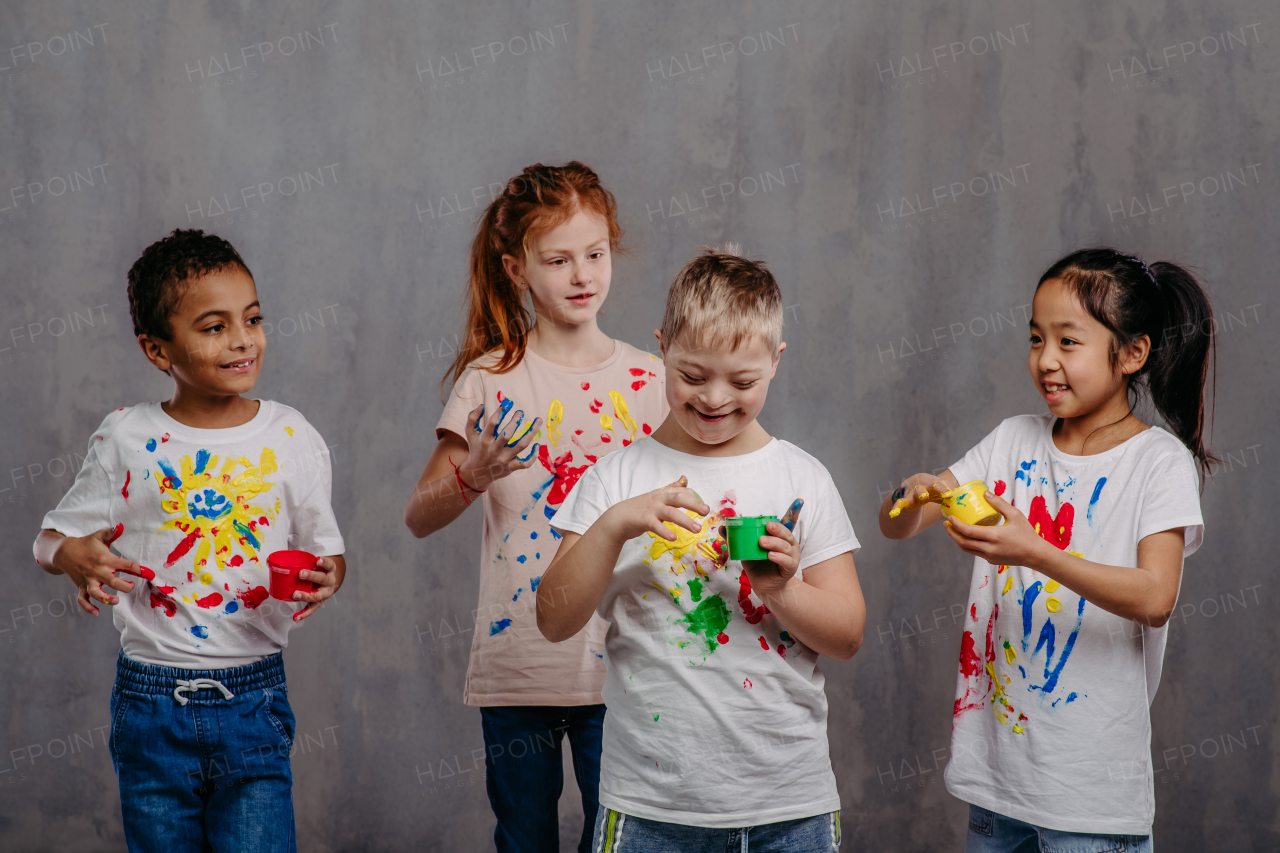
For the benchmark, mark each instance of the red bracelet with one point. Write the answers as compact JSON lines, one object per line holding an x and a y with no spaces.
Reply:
{"x":463,"y":485}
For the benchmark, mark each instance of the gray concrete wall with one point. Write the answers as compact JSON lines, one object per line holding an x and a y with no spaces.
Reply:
{"x":805,"y":130}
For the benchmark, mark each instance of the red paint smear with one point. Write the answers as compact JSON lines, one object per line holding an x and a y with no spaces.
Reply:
{"x":577,"y":432}
{"x":752,"y":613}
{"x":183,"y":547}
{"x":235,"y":561}
{"x":263,"y":521}
{"x":637,"y":385}
{"x":626,"y":441}
{"x":499,"y":396}
{"x":146,"y":573}
{"x":566,"y":476}
{"x":985,"y":578}
{"x":637,"y":371}
{"x":213,"y":599}
{"x":253,"y":597}
{"x":648,"y":430}
{"x":586,"y":386}
{"x":227,"y":587}
{"x":115,"y":534}
{"x":1048,"y":527}
{"x":167,"y":590}
{"x":746,"y":683}
{"x":970,"y":663}
{"x":1000,"y":487}
{"x":595,"y":406}
{"x":160,"y":600}
{"x":722,"y":638}
{"x":763,"y":644}
{"x":128,"y":475}
{"x":973,"y":614}
{"x":728,"y":512}
{"x":605,"y":438}
{"x":591,"y":459}
{"x":782,"y":650}
{"x":164,"y":438}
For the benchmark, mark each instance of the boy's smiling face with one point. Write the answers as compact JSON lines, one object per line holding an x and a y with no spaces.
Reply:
{"x":217,"y":336}
{"x":714,"y":392}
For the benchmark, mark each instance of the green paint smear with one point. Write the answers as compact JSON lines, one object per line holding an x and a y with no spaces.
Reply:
{"x":695,"y":589}
{"x":708,"y":620}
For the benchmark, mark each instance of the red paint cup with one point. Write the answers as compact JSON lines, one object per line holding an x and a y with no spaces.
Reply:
{"x":284,"y":566}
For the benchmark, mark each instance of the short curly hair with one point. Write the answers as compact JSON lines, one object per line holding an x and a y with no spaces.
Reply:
{"x":158,"y":279}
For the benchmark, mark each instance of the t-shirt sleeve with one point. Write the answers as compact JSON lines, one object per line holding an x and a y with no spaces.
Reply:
{"x":584,"y":504}
{"x":827,"y":530}
{"x":86,"y":507}
{"x":467,"y":393}
{"x":312,"y":526}
{"x":1171,"y":499}
{"x":975,"y":464}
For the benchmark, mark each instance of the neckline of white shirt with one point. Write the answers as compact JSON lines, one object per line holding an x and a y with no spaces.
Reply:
{"x":177,"y":429}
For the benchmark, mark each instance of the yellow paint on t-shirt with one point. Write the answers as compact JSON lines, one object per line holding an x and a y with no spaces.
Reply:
{"x":555,"y":414}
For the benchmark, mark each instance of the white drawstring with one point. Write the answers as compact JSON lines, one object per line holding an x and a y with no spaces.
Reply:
{"x":198,"y":684}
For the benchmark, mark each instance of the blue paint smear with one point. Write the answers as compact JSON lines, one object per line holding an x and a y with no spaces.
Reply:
{"x":209,"y":504}
{"x":517,"y":595}
{"x":151,"y":445}
{"x":537,"y":556}
{"x":1071,"y":698}
{"x":521,"y":558}
{"x":1097,"y":490}
{"x":200,"y":631}
{"x":556,"y":534}
{"x":549,"y":512}
{"x":1047,"y":636}
{"x":1071,"y":481}
{"x":232,"y":606}
{"x":1029,"y":599}
{"x":246,"y":533}
{"x":1022,"y":474}
{"x":1023,"y":671}
{"x":533,"y":583}
{"x":533,"y":534}
{"x":499,"y":626}
{"x":202,"y":459}
{"x":167,"y":467}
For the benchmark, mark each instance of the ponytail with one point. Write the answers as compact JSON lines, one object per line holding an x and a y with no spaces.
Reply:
{"x":535,"y":201}
{"x":1165,"y":303}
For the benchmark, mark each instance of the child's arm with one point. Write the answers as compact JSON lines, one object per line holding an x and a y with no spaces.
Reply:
{"x":88,"y":561}
{"x":913,"y":500}
{"x":1145,"y":593}
{"x":576,"y":580}
{"x":477,"y":461}
{"x":824,"y":609}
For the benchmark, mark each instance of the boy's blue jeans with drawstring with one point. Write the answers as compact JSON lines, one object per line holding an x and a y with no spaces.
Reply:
{"x":203,"y":757}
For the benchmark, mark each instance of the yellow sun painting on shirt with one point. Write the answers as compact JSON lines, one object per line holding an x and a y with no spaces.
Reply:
{"x":216,"y":510}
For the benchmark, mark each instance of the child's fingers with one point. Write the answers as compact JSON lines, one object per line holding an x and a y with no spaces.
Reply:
{"x":95,"y":591}
{"x":686,"y":498}
{"x":82,"y":598}
{"x":307,"y":611}
{"x":473,"y":418}
{"x":779,"y":531}
{"x":673,"y":515}
{"x":792,"y":514}
{"x":119,"y":583}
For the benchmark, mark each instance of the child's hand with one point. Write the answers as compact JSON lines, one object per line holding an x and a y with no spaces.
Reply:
{"x":650,"y":513}
{"x":771,"y":575}
{"x":912,"y":496}
{"x":88,"y":561}
{"x":489,"y":456}
{"x":1014,"y":543}
{"x":325,"y":576}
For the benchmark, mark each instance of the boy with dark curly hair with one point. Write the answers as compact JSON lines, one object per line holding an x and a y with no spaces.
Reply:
{"x":188,"y":497}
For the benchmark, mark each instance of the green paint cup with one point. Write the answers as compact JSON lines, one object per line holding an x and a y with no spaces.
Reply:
{"x":742,"y":533}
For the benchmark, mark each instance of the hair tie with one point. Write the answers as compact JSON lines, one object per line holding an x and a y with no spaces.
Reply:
{"x":1146,"y":269}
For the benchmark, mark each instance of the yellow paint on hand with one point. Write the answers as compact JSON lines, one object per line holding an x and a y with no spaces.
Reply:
{"x":620,"y":412}
{"x":1076,"y":554}
{"x":685,"y":542}
{"x":1051,"y":586}
{"x":555,"y":414}
{"x":1053,"y":605}
{"x":289,"y":430}
{"x":1008,"y":585}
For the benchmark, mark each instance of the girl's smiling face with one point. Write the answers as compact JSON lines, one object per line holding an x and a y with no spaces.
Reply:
{"x":567,"y":269}
{"x":1070,"y":358}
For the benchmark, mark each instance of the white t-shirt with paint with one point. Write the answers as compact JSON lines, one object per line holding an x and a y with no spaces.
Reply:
{"x":717,"y":715}
{"x":1051,"y":720}
{"x":201,"y":509}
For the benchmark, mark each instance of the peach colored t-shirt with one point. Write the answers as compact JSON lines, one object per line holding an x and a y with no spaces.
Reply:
{"x":587,"y":412}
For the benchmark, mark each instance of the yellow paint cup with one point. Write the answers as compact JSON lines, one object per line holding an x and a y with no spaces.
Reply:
{"x":965,"y":503}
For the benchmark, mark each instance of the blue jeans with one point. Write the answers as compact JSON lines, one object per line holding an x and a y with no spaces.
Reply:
{"x":524,"y":771}
{"x":626,"y":834}
{"x":994,"y":833}
{"x":200,"y":772}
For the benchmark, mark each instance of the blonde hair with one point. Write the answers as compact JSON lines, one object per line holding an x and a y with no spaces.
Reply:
{"x":722,"y":298}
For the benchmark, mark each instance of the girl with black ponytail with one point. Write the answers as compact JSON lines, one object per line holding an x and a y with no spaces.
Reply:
{"x":1065,"y":629}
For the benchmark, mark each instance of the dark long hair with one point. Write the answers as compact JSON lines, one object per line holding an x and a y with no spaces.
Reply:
{"x":1164,"y":302}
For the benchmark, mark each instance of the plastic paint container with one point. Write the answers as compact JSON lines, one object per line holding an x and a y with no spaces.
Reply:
{"x":742,"y":534}
{"x":966,"y":504}
{"x":284,"y":567}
